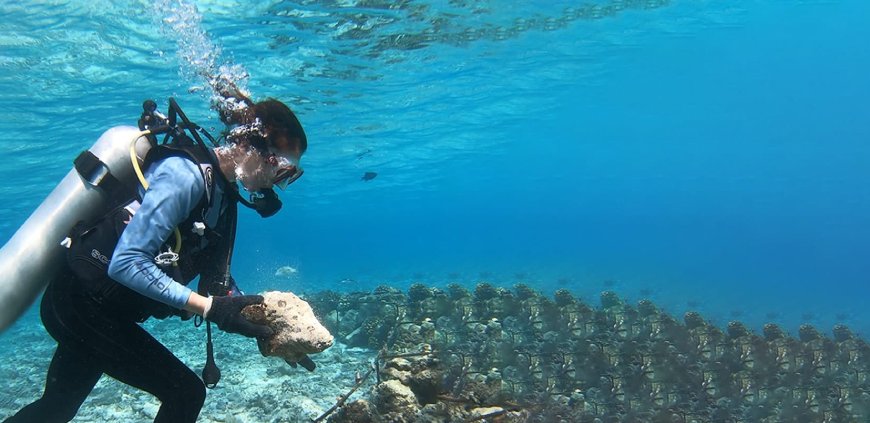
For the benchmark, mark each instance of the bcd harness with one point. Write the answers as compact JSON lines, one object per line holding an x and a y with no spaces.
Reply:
{"x":210,"y":225}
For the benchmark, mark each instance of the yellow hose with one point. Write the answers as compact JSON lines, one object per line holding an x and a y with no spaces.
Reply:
{"x":138,"y":169}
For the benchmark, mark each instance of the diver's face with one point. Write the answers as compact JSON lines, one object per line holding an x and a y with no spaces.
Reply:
{"x":253,"y":170}
{"x":256,"y":170}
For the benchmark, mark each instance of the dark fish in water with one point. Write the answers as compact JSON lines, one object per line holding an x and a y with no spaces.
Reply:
{"x":368,"y":176}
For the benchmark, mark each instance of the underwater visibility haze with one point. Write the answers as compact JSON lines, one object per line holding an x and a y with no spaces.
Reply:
{"x":710,"y":156}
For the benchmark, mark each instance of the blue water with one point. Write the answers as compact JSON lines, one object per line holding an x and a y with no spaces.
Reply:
{"x":711,"y":155}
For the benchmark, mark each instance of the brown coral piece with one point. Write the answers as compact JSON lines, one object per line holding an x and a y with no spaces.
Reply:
{"x":297,"y":330}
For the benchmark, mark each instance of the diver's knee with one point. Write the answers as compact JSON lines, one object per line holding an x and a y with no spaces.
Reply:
{"x":184,"y":403}
{"x":197,"y":394}
{"x":192,"y":392}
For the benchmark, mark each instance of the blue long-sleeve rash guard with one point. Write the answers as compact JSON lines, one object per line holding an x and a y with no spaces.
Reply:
{"x":175,"y":188}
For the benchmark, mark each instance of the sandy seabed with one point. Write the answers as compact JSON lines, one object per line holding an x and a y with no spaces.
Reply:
{"x":253,"y":388}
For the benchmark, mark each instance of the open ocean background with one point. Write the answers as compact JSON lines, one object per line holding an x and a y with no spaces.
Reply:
{"x":709,"y":155}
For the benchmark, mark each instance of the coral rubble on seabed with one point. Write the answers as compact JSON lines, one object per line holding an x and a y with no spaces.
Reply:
{"x":494,"y":354}
{"x":253,"y":389}
{"x":455,"y":355}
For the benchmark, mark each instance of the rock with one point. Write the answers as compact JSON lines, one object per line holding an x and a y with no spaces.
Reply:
{"x":391,"y":397}
{"x":358,"y":411}
{"x":391,"y":373}
{"x":421,"y":374}
{"x":481,"y":413}
{"x":426,"y":385}
{"x":399,"y":363}
{"x":297,"y":331}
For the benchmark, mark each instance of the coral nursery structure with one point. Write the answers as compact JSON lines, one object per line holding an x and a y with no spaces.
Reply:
{"x":516,"y":355}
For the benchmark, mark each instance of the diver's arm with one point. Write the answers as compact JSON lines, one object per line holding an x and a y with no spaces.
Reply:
{"x":198,"y":304}
{"x":175,"y":188}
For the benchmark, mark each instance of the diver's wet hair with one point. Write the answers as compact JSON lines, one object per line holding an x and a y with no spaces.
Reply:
{"x":261,"y":124}
{"x":279,"y":122}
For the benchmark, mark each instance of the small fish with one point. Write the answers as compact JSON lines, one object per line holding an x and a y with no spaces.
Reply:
{"x":368,"y":176}
{"x":286,"y":271}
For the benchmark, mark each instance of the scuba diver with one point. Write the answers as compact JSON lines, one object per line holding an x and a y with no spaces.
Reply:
{"x":178,"y":223}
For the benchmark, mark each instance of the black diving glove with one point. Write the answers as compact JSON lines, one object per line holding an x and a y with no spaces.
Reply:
{"x":226,"y":313}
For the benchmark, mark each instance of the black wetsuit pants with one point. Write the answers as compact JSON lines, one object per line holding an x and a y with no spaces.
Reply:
{"x":94,"y":339}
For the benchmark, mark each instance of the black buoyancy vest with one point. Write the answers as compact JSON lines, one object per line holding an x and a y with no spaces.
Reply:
{"x":212,"y":222}
{"x":207,"y":235}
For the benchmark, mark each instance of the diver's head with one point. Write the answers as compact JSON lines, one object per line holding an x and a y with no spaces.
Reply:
{"x":264,"y":149}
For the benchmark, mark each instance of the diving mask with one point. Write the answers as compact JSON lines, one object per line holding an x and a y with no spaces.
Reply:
{"x":288,"y":170}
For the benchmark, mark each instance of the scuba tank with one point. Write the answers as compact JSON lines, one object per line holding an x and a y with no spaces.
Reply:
{"x":34,"y":255}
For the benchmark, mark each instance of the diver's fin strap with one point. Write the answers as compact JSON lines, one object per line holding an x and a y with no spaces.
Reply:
{"x":96,"y":173}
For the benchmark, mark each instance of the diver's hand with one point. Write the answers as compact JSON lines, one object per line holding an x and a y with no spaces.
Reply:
{"x":226,"y":313}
